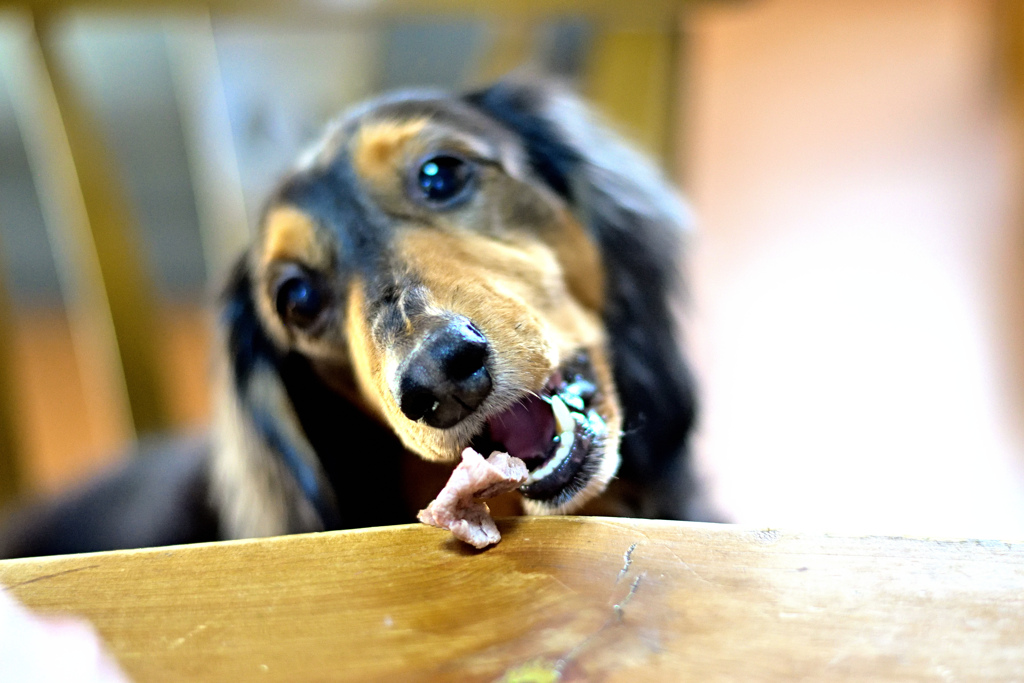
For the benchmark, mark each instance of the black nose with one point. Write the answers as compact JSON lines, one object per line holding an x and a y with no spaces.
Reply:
{"x":445,"y":378}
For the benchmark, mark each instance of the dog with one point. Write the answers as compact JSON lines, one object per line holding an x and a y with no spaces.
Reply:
{"x":493,"y":269}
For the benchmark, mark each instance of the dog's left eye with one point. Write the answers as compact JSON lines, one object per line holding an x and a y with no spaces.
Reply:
{"x":444,"y":179}
{"x":299,"y":301}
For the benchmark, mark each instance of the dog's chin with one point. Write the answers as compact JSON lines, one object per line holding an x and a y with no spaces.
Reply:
{"x":602,"y":464}
{"x":567,"y":434}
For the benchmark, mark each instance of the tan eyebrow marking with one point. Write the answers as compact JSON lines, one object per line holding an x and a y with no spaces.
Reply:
{"x":378,"y":146}
{"x":291,"y":234}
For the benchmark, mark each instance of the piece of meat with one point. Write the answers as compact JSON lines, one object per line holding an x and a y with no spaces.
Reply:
{"x":458,"y":507}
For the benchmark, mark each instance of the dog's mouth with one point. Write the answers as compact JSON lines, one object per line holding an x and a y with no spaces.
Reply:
{"x":558,"y":434}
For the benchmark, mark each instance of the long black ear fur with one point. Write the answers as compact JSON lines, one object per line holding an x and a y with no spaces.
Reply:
{"x":290,"y":454}
{"x":638,"y":222}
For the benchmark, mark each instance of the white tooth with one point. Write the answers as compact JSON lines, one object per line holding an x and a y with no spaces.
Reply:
{"x":563,"y":418}
{"x":565,"y":441}
{"x":572,"y":400}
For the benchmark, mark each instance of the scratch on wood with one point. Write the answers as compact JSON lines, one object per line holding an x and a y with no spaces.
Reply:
{"x":563,"y":584}
{"x":620,"y":526}
{"x":620,"y":608}
{"x":178,"y":642}
{"x":47,"y":576}
{"x":654,"y":544}
{"x":618,"y":611}
{"x":627,"y":559}
{"x":685,"y":565}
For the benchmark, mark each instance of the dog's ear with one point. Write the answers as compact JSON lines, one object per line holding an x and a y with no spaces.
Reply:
{"x":266,"y":478}
{"x":292,"y":454}
{"x":638,"y":222}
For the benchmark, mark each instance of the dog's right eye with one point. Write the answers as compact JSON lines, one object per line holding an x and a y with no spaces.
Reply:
{"x":299,"y":301}
{"x":443,"y":180}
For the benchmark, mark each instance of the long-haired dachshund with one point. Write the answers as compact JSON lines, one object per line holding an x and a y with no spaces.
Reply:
{"x":435,"y":274}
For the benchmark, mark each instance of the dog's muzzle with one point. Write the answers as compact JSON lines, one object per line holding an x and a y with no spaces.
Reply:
{"x":558,"y":434}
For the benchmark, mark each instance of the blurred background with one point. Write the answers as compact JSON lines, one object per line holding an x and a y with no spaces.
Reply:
{"x":856,"y":276}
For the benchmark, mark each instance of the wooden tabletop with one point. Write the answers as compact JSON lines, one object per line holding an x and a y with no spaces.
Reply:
{"x":563,"y":598}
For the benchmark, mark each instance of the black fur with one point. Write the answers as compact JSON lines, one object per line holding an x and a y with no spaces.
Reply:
{"x":159,"y":496}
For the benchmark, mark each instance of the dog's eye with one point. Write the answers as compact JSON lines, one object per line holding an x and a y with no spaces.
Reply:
{"x":443,"y":179}
{"x":299,"y":301}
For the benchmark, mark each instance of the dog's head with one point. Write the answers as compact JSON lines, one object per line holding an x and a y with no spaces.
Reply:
{"x":488,"y":270}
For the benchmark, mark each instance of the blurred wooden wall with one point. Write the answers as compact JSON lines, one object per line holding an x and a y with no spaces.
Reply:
{"x":79,"y":383}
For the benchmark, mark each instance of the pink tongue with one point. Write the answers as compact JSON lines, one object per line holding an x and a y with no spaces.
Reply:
{"x":526,"y":429}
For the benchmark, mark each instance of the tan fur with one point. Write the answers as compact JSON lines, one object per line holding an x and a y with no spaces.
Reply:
{"x":580,"y":261}
{"x":366,"y":357}
{"x":291,"y":235}
{"x":379,"y":148}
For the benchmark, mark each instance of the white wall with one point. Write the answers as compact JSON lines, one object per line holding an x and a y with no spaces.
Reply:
{"x":854,"y":180}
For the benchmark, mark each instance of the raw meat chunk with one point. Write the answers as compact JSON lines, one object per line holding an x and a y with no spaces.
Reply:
{"x":458,"y":506}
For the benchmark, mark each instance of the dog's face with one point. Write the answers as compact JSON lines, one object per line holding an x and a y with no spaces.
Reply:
{"x":428,"y":274}
{"x":490,"y":270}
